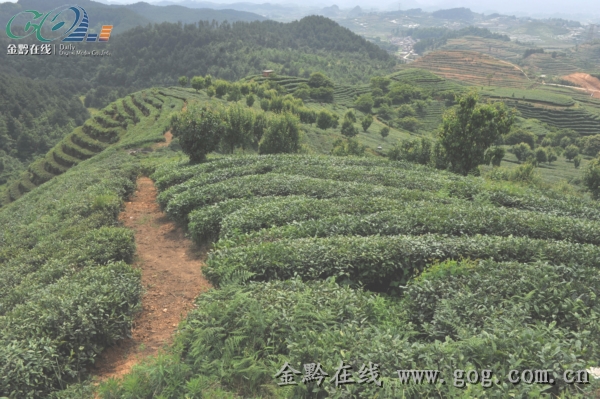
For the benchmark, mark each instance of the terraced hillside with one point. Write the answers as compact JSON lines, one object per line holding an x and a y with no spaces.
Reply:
{"x":98,"y":133}
{"x":428,"y":81}
{"x":473,"y":68}
{"x":579,"y":119}
{"x":509,"y":51}
{"x":304,"y":245}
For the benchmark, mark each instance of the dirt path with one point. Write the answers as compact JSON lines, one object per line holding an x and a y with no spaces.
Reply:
{"x":588,"y":82}
{"x":171,"y":276}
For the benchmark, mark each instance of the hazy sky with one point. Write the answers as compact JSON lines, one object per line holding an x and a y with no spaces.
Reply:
{"x":577,"y":9}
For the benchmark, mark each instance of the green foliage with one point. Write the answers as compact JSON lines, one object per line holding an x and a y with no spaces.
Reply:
{"x":364,"y":103}
{"x":591,"y":177}
{"x":522,"y":151}
{"x":281,"y":136}
{"x":198,"y":83}
{"x":591,"y":145}
{"x":221,"y":87}
{"x":577,"y":161}
{"x":66,"y":292}
{"x":183,"y":81}
{"x":518,"y":136}
{"x":571,"y":151}
{"x":198,"y":130}
{"x":385,"y":131}
{"x":541,"y":155}
{"x":409,"y":123}
{"x":234,"y":93}
{"x":348,"y":128}
{"x":417,"y":151}
{"x":35,"y":116}
{"x":343,"y":148}
{"x":494,"y":155}
{"x":468,"y":130}
{"x":250,"y":100}
{"x":366,"y":122}
{"x":326,"y":119}
{"x":318,"y":79}
{"x":350,"y":115}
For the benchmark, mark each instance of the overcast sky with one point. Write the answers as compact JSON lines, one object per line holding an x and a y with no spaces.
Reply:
{"x":577,"y":9}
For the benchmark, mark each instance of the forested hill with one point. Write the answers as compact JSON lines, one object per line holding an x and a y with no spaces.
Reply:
{"x":34,"y":116}
{"x":156,"y":55}
{"x":125,"y":17}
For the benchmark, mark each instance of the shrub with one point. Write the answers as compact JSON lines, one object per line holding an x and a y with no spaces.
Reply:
{"x":541,"y":155}
{"x":348,"y":147}
{"x":198,"y":130}
{"x":350,"y":116}
{"x":197,"y":83}
{"x":183,"y":81}
{"x":406,"y":110}
{"x":494,"y":155}
{"x":250,"y":100}
{"x":571,"y":151}
{"x":577,"y":161}
{"x":318,"y":79}
{"x":265,"y":104}
{"x":364,"y":103}
{"x":409,"y":123}
{"x":385,"y":131}
{"x":518,"y":136}
{"x":591,"y":177}
{"x":326,"y":120}
{"x":366,"y":122}
{"x":282,"y":135}
{"x":348,"y":129}
{"x":522,"y":151}
{"x":592,"y":145}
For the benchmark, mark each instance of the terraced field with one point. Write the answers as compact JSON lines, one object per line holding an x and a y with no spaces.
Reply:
{"x":472,"y":68}
{"x":579,"y":119}
{"x":509,"y":51}
{"x":304,"y":245}
{"x":427,"y":81}
{"x":98,"y":133}
{"x":547,"y":65}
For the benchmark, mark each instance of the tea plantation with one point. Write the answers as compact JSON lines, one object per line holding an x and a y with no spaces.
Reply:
{"x":328,"y":259}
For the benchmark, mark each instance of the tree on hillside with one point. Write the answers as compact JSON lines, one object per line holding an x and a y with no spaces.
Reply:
{"x":250,"y":100}
{"x":591,"y":177}
{"x":494,"y":155}
{"x":364,"y":103}
{"x":541,"y":155}
{"x":517,"y":136}
{"x":366,"y":122}
{"x":385,"y":131}
{"x":281,"y":136}
{"x":198,"y":131}
{"x":351,"y":116}
{"x":348,"y":128}
{"x":183,"y":81}
{"x":577,"y":161}
{"x":197,"y":83}
{"x":325,"y":120}
{"x":319,"y":79}
{"x":571,"y":151}
{"x":522,"y":151}
{"x":469,"y":129}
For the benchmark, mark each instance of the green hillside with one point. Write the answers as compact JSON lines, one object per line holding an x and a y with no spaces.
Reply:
{"x":314,"y":258}
{"x":156,"y":55}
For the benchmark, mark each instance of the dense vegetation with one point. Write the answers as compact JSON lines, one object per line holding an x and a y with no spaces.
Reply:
{"x":229,"y":51}
{"x":34,"y":116}
{"x":303,"y":245}
{"x":432,"y":38}
{"x":67,"y":289}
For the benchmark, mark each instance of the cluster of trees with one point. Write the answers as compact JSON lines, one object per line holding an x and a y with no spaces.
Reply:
{"x":34,"y":116}
{"x":527,"y":147}
{"x":465,"y":139}
{"x":385,"y":94}
{"x":203,"y":129}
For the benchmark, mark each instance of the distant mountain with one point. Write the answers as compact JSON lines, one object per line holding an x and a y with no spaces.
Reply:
{"x":461,"y":14}
{"x":178,"y":13}
{"x":125,"y":17}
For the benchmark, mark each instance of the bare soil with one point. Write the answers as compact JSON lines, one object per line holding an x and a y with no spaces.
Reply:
{"x":171,"y":276}
{"x":588,"y":82}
